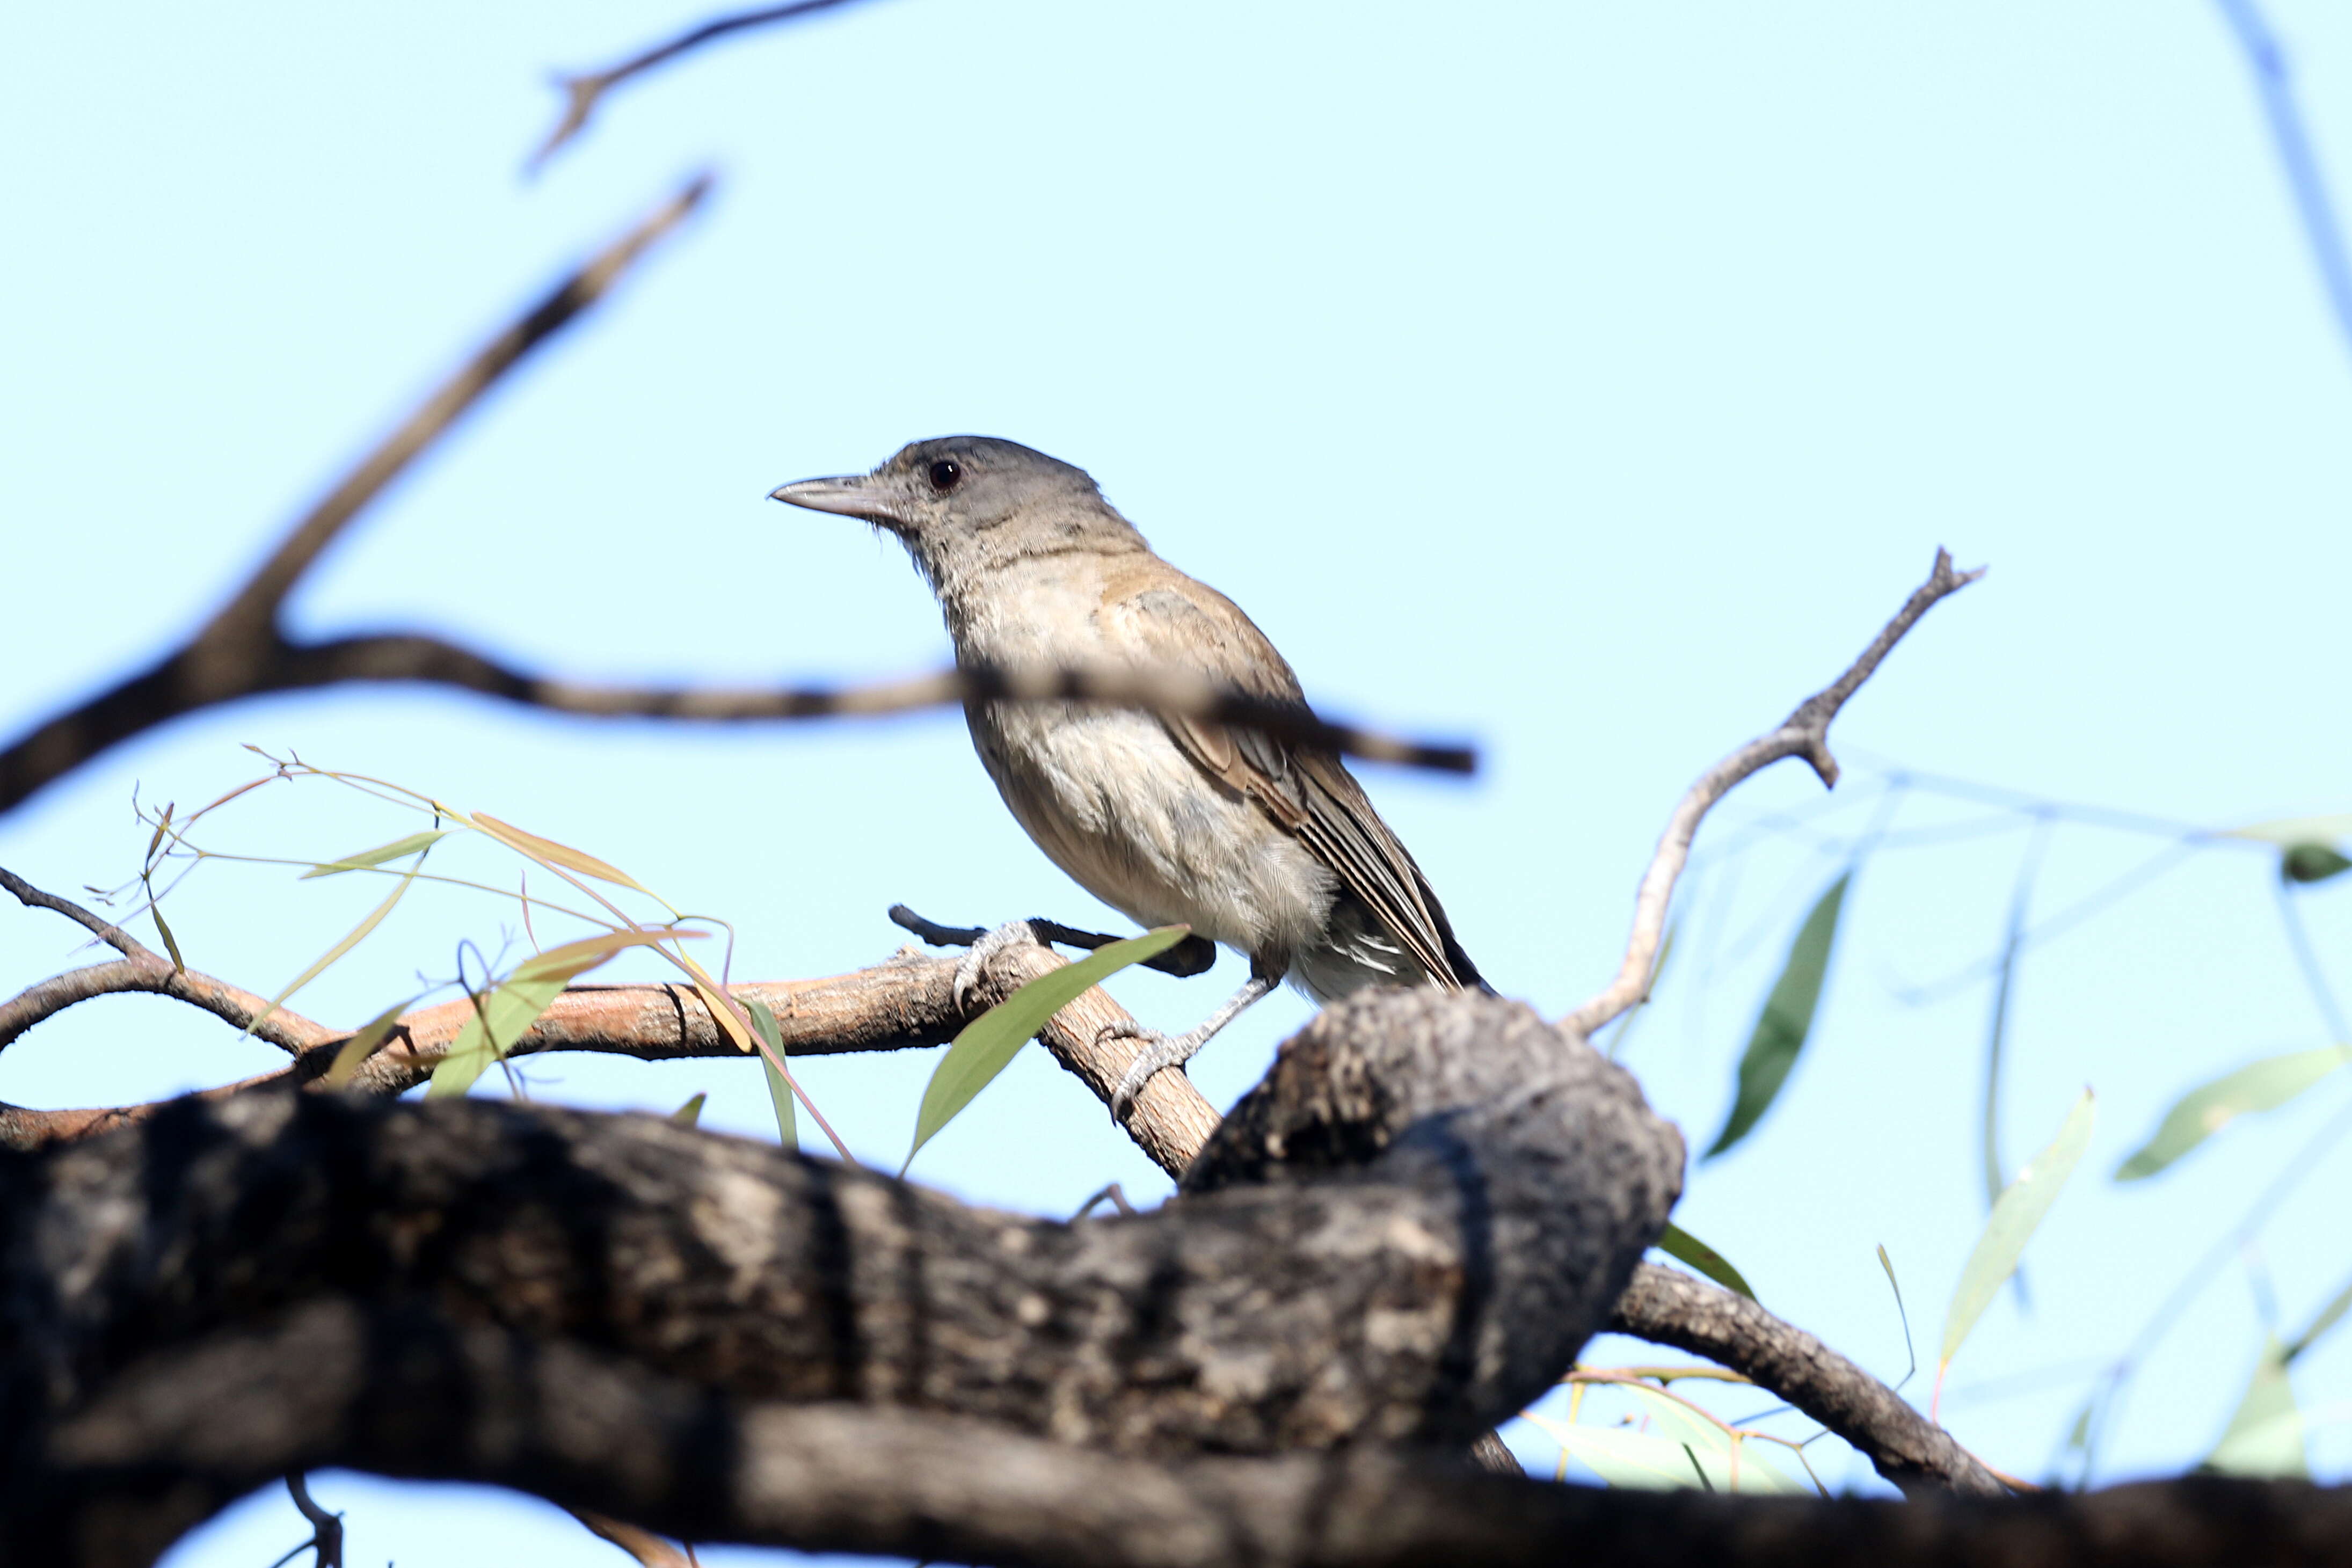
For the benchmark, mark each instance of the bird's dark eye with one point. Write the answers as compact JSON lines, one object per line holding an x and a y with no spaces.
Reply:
{"x":945,"y":472}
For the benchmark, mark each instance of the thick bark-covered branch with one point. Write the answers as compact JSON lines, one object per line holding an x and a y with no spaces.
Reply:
{"x":402,"y":1391}
{"x":1415,"y":1292}
{"x":910,"y":1001}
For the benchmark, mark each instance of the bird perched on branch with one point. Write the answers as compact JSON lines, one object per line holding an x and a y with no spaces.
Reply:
{"x":1265,"y":847}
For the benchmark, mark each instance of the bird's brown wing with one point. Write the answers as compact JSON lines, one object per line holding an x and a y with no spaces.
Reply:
{"x":1157,"y":616}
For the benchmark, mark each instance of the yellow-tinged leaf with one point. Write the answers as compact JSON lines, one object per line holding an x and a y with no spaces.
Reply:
{"x":505,"y":1014}
{"x":170,"y":943}
{"x":715,"y":998}
{"x":2288,"y":832}
{"x":2015,"y":1215}
{"x":689,"y":1113}
{"x":608,"y":943}
{"x":363,"y":1045}
{"x":358,"y":935}
{"x":564,"y":855}
{"x":987,"y":1044}
{"x":393,"y":850}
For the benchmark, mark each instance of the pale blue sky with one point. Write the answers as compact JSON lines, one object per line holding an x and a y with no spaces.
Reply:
{"x":1587,"y":380}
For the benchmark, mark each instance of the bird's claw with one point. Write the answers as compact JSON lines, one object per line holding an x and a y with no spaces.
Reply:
{"x":1159,"y":1052}
{"x":972,"y":968}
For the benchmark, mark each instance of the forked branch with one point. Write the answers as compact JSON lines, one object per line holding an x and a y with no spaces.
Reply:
{"x":1804,"y":733}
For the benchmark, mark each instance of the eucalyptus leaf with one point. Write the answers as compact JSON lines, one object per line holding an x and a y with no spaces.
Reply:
{"x":412,"y":844}
{"x":2265,"y":1437}
{"x":1681,"y":1245}
{"x":779,"y":1093}
{"x":690,"y":1113}
{"x":357,"y":934}
{"x":987,"y":1044}
{"x":2016,"y":1214}
{"x":362,"y":1045}
{"x":2288,"y":832}
{"x":553,"y":853}
{"x":2313,"y":862}
{"x":2329,"y":1316}
{"x":1787,"y":1018}
{"x":170,"y":943}
{"x":507,"y":1013}
{"x":2262,"y":1085}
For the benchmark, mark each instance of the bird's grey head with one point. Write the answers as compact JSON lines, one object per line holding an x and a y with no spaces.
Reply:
{"x":963,"y":504}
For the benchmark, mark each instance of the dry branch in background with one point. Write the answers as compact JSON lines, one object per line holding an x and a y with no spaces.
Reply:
{"x":243,"y":651}
{"x":582,"y":94}
{"x":1804,"y":733}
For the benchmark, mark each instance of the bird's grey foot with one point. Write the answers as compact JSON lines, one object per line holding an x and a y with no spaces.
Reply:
{"x":1160,"y":1050}
{"x":973,"y":964}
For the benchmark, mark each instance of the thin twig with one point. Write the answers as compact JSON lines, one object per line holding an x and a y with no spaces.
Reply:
{"x":1804,"y":733}
{"x":582,"y":94}
{"x":326,"y":1529}
{"x":113,"y":935}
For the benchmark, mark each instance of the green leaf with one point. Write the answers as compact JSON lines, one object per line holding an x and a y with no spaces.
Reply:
{"x":1902,"y":1312}
{"x":2262,"y":1085}
{"x":358,"y":934}
{"x":2312,"y":863}
{"x":508,"y":1012}
{"x":1787,"y":1018}
{"x":2329,"y":1316}
{"x":987,"y":1044}
{"x":689,"y":1113}
{"x":779,"y":1093}
{"x":2265,"y":1436}
{"x":1680,"y":1244}
{"x":361,"y":1046}
{"x":412,"y":844}
{"x":170,"y":943}
{"x":2015,"y":1215}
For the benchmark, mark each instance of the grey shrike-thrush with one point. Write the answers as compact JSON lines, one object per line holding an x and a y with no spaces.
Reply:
{"x":1268,"y":848}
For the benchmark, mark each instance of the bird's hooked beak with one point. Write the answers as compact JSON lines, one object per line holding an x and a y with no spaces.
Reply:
{"x":850,"y":495}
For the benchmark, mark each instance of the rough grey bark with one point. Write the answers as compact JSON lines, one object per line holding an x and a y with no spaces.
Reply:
{"x":1415,"y":1290}
{"x":401,"y":1390}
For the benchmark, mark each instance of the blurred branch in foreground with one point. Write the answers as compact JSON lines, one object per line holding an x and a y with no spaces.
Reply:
{"x":243,"y":651}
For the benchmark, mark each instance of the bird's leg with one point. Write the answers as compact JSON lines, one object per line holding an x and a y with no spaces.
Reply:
{"x":975,"y":962}
{"x":1162,"y":1051}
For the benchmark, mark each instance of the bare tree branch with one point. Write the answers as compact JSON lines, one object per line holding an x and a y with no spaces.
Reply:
{"x":397,"y":1390}
{"x":1666,"y":1306}
{"x":910,"y":1002}
{"x":1804,"y":733}
{"x":582,"y":94}
{"x":141,"y":971}
{"x":242,"y":649}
